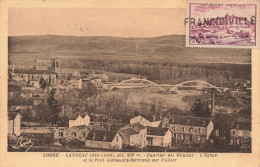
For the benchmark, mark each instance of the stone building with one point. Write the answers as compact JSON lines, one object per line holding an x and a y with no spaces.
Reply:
{"x":190,"y":129}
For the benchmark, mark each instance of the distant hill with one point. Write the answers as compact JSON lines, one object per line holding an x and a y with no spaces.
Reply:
{"x":165,"y":48}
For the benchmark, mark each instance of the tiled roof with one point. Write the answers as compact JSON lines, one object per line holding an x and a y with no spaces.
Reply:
{"x":32,"y":71}
{"x":101,"y":135}
{"x":138,"y":126}
{"x":241,"y":125}
{"x":156,"y":131}
{"x":186,"y":120}
{"x":127,"y":132}
{"x":149,"y":116}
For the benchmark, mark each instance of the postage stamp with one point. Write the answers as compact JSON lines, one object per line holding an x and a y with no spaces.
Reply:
{"x":229,"y":24}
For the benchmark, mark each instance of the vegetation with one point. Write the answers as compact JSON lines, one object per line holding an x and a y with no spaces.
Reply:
{"x":200,"y":109}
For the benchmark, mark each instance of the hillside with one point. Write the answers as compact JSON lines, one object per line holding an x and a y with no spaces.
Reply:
{"x":165,"y":48}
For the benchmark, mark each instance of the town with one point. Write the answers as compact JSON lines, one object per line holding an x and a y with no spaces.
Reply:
{"x":53,"y":108}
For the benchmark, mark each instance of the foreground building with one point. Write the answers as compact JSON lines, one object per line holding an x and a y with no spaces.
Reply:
{"x":159,"y":137}
{"x":14,"y":124}
{"x":104,"y":139}
{"x":134,"y":135}
{"x":190,"y":129}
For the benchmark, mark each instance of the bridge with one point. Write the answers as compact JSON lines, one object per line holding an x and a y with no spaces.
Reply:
{"x":144,"y":83}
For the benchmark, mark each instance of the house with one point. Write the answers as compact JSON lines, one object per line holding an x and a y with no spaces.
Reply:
{"x":134,"y":135}
{"x":14,"y":124}
{"x":190,"y":129}
{"x":150,"y":120}
{"x":240,"y":133}
{"x":157,"y":136}
{"x":104,"y":139}
{"x":76,"y":83}
{"x":76,"y":132}
{"x":78,"y":121}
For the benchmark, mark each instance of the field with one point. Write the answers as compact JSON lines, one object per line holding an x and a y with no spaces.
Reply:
{"x":151,"y":96}
{"x":24,"y":50}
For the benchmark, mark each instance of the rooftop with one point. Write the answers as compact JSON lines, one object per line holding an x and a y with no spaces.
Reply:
{"x":127,"y":132}
{"x":187,"y":120}
{"x":156,"y":131}
{"x":101,"y":135}
{"x":241,"y":125}
{"x":149,"y":116}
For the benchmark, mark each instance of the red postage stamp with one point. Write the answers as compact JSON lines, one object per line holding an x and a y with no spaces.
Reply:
{"x":228,"y":24}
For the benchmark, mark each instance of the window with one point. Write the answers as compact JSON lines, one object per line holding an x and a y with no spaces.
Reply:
{"x":60,"y":134}
{"x":199,"y":130}
{"x":191,"y":130}
{"x":141,"y":136}
{"x":233,"y":133}
{"x":183,"y":129}
{"x":182,"y":136}
{"x":174,"y":128}
{"x":117,"y":138}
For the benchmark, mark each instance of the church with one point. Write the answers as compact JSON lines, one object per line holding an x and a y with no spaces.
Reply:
{"x":50,"y":76}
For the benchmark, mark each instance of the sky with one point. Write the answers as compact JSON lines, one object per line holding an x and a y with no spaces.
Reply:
{"x":124,"y":22}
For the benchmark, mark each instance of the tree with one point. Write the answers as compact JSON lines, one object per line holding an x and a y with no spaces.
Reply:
{"x":53,"y":106}
{"x":200,"y":109}
{"x":126,"y":94}
{"x":87,"y":91}
{"x":43,"y":83}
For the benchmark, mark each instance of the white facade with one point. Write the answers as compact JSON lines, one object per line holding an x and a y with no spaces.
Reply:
{"x":14,"y":126}
{"x":80,"y":121}
{"x":162,"y":141}
{"x":143,"y":121}
{"x":76,"y":83}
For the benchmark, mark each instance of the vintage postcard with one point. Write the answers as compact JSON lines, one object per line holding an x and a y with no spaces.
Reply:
{"x":232,"y":24}
{"x":123,"y":84}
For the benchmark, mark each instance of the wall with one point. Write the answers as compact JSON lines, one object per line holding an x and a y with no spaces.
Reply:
{"x":167,"y":139}
{"x":156,"y":140}
{"x":209,"y":129}
{"x":10,"y":126}
{"x":117,"y":142}
{"x":98,"y":144}
{"x":39,"y":129}
{"x":17,"y":125}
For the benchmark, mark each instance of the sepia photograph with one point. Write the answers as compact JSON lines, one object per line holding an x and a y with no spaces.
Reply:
{"x":122,"y":80}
